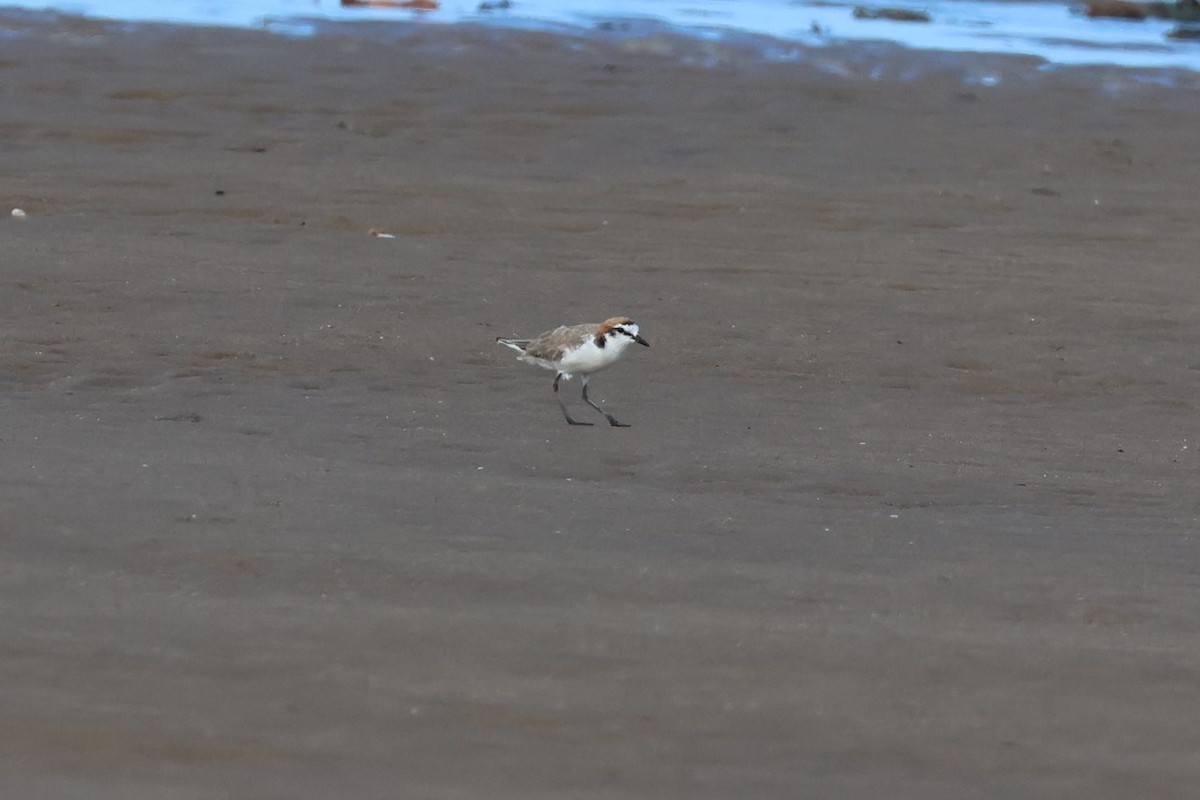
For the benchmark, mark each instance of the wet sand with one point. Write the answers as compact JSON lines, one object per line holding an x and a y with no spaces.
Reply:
{"x":908,"y":506}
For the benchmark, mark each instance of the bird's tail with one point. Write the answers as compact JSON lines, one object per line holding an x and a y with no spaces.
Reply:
{"x":516,"y":344}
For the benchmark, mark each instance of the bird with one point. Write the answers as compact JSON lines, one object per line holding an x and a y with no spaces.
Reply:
{"x":582,"y":349}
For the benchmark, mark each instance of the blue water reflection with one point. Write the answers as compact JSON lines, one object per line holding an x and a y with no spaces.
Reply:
{"x":1049,"y":30}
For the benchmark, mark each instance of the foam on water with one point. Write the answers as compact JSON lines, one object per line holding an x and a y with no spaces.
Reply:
{"x":1048,"y":30}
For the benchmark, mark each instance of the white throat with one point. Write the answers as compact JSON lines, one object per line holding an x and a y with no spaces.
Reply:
{"x":619,"y":341}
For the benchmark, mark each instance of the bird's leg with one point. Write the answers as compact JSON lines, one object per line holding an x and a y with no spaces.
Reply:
{"x":563,"y":405}
{"x":611,"y":419}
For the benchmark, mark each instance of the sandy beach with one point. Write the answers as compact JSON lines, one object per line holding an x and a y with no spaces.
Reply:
{"x":908,"y":505}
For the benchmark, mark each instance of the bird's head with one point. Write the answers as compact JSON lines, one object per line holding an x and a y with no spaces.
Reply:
{"x":621,"y":331}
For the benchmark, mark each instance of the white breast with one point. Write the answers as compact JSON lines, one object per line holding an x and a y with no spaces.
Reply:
{"x":588,"y":358}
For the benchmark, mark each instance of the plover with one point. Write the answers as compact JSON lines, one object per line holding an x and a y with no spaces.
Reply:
{"x":582,"y":349}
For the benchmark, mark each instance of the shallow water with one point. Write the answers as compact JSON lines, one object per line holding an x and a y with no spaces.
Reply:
{"x":1048,"y":30}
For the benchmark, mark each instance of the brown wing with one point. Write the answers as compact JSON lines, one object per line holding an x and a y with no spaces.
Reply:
{"x":551,"y":344}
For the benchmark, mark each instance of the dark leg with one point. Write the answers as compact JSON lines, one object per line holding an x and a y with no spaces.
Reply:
{"x":611,"y":419}
{"x":563,"y":405}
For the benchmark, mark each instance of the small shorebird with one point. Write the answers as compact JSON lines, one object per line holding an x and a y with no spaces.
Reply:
{"x":579,"y":348}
